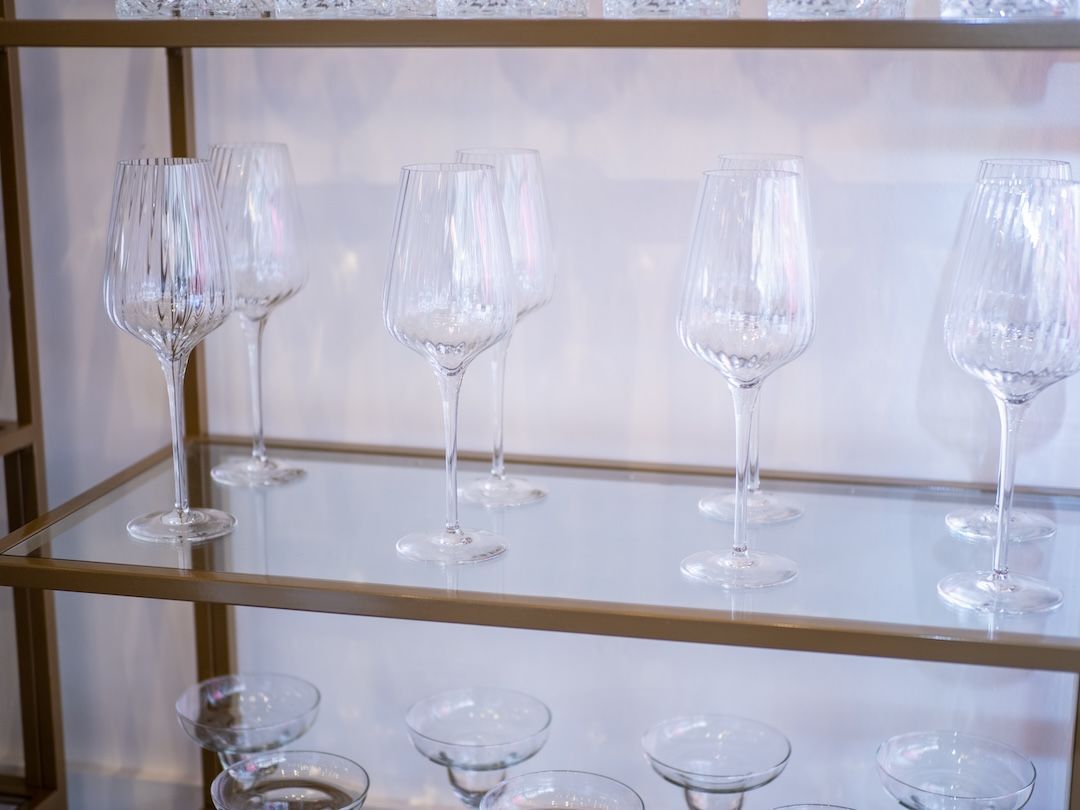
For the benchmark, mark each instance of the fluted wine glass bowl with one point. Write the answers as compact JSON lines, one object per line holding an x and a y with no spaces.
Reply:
{"x":565,"y":790}
{"x":239,"y":715}
{"x":291,"y":780}
{"x":477,"y":733}
{"x":946,"y":770}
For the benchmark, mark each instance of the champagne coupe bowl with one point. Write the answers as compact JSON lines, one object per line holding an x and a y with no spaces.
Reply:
{"x":449,"y":296}
{"x":520,"y":180}
{"x":236,"y":716}
{"x":291,"y":780}
{"x":477,"y":733}
{"x":564,"y":790}
{"x":946,"y":770}
{"x":167,"y":283}
{"x":716,"y":758}
{"x":980,"y":523}
{"x":264,"y":235}
{"x":813,"y":806}
{"x":762,"y":507}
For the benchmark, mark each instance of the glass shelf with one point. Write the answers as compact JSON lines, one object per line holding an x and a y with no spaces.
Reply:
{"x":601,"y":555}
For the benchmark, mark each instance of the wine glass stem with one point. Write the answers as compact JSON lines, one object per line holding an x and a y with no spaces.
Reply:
{"x":174,"y":368}
{"x":745,"y":399}
{"x":753,"y":483}
{"x":450,"y":387}
{"x":498,"y":379}
{"x":253,"y":333}
{"x":1012,"y":415}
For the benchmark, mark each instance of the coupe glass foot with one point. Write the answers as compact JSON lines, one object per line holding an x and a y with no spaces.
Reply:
{"x":756,"y":569}
{"x":981,"y":524}
{"x":981,"y":591}
{"x":464,"y":546}
{"x":251,"y":472}
{"x":494,"y":492}
{"x":171,"y":527}
{"x":761,"y":508}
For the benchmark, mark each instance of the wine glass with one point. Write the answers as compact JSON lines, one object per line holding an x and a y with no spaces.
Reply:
{"x":521,"y":191}
{"x":449,"y":295}
{"x":761,"y":507}
{"x":565,"y":790}
{"x":167,"y":283}
{"x":264,"y":235}
{"x":980,"y":523}
{"x":478,"y":733}
{"x":1014,"y":323}
{"x":716,"y":759}
{"x":747,"y":309}
{"x":291,"y":780}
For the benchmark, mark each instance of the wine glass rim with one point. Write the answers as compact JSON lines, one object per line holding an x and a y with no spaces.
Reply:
{"x":1025,"y":161}
{"x":708,"y":716}
{"x":193,"y":691}
{"x":879,"y":757}
{"x":447,"y":168}
{"x":162,"y":161}
{"x":499,"y":150}
{"x":296,"y":754}
{"x":760,"y":156}
{"x":1012,"y":182}
{"x":465,"y":689}
{"x":748,"y":172}
{"x":249,"y":145}
{"x":567,"y":771}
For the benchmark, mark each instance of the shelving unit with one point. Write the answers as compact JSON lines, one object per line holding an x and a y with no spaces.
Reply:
{"x":82,"y":545}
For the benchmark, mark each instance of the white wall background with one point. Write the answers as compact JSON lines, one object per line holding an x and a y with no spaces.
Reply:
{"x":891,"y":140}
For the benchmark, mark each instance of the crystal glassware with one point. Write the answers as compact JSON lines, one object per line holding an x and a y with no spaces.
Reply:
{"x":980,"y":523}
{"x":1013,"y":324}
{"x":946,"y":770}
{"x":478,"y":733}
{"x":449,"y":295}
{"x":565,"y":790}
{"x":1005,"y":9}
{"x":226,"y":8}
{"x":264,"y":235}
{"x":761,"y":507}
{"x":813,"y":806}
{"x":147,"y":8}
{"x":291,"y":780}
{"x":822,"y":9}
{"x":167,"y":283}
{"x":333,"y":8}
{"x":671,"y":8}
{"x":236,"y":716}
{"x":520,"y":181}
{"x":716,"y":758}
{"x":747,"y":309}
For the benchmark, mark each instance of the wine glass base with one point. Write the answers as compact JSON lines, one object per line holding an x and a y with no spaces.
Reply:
{"x":168,"y":527}
{"x":981,"y":592}
{"x":250,"y":472}
{"x":981,"y":524}
{"x":762,"y":508}
{"x":493,"y":492}
{"x":465,"y":546}
{"x":756,"y":569}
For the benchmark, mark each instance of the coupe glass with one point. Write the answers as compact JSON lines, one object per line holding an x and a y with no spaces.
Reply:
{"x":236,"y":716}
{"x":747,"y":309}
{"x":812,"y":806}
{"x":291,"y":780}
{"x":761,"y":507}
{"x":264,"y":235}
{"x":477,"y":734}
{"x":167,"y":283}
{"x":449,"y":296}
{"x":946,"y":770}
{"x":565,"y":790}
{"x":521,"y":190}
{"x":980,"y":523}
{"x":1013,"y":323}
{"x":716,"y":759}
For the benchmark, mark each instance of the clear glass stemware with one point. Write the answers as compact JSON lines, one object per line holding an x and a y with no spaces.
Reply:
{"x":747,"y":309}
{"x":980,"y":523}
{"x":167,"y":283}
{"x":291,"y":780}
{"x":520,"y":180}
{"x":264,"y":235}
{"x":449,"y":295}
{"x":562,"y":790}
{"x":1014,"y":324}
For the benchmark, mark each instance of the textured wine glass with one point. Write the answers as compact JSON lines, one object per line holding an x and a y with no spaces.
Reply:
{"x":747,"y":309}
{"x":980,"y":523}
{"x":477,"y":733}
{"x":167,"y":283}
{"x":761,"y":507}
{"x":291,"y":780}
{"x":565,"y":790}
{"x":264,"y":235}
{"x":520,"y":180}
{"x":449,"y":295}
{"x":716,"y":759}
{"x":946,"y":770}
{"x":236,"y":716}
{"x":1014,"y":323}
